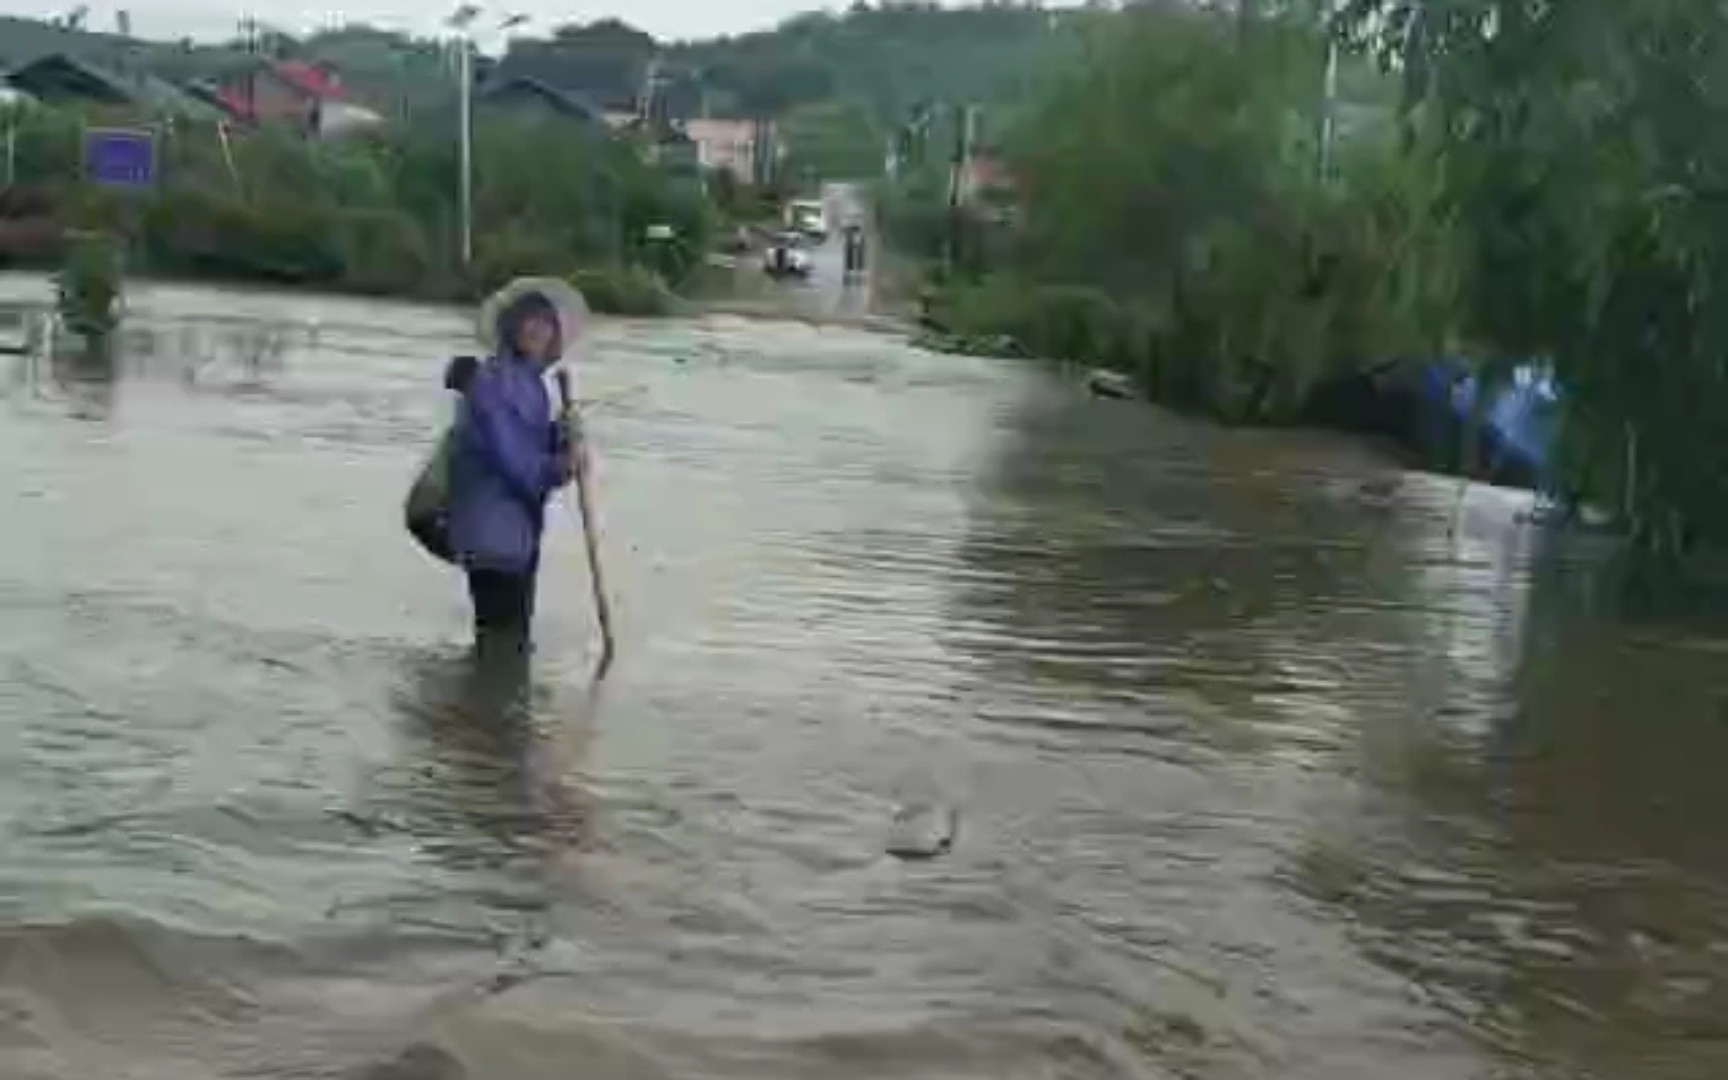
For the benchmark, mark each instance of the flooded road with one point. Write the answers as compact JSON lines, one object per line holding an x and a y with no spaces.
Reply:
{"x":1258,"y":773}
{"x":828,"y":294}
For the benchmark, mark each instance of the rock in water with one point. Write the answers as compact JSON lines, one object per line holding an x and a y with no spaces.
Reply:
{"x":1110,"y":384}
{"x":923,"y":831}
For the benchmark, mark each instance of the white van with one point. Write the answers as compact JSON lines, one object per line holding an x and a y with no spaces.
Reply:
{"x":809,"y":217}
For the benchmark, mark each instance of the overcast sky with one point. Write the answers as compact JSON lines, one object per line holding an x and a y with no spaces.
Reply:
{"x":214,"y":19}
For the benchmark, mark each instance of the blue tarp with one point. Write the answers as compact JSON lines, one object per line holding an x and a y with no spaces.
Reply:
{"x":1518,"y":424}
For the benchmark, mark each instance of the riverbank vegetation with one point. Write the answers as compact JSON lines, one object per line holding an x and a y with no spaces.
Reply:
{"x":1523,"y":183}
{"x":1581,"y":154}
{"x":1173,"y":218}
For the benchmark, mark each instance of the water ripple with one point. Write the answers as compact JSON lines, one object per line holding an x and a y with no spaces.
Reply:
{"x":1255,"y":777}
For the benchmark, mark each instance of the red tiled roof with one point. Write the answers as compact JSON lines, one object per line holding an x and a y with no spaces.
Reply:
{"x":310,"y":79}
{"x":234,"y":99}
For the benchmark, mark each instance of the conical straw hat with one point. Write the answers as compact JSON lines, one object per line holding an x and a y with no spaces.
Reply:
{"x":566,"y":300}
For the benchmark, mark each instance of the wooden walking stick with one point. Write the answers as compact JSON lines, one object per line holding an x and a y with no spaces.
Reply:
{"x":602,"y":608}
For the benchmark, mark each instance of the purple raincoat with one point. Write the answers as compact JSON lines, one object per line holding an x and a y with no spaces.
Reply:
{"x":503,"y":467}
{"x":504,"y":461}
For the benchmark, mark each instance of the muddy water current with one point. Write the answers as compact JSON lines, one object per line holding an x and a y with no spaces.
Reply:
{"x":1265,"y":763}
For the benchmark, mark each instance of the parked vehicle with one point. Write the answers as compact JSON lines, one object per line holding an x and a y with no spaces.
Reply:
{"x":17,"y":334}
{"x":808,"y":216}
{"x":786,"y":256}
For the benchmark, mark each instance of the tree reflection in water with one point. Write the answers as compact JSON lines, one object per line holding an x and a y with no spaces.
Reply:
{"x":1549,"y":878}
{"x":1462,"y":765}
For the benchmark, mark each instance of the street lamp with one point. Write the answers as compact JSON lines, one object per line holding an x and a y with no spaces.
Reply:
{"x":460,"y":20}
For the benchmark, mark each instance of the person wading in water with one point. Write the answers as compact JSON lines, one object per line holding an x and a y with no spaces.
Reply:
{"x":508,"y":455}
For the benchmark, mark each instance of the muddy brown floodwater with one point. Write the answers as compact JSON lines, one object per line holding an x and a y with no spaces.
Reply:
{"x":1259,"y":774}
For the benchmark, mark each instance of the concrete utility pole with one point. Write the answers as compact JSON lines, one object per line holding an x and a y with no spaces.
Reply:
{"x":461,"y":20}
{"x":966,"y":120}
{"x":465,"y":68}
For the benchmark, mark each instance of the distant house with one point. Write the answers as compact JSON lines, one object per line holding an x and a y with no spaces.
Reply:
{"x":23,"y":39}
{"x":206,"y":91}
{"x":611,"y":82}
{"x":526,"y":95}
{"x":745,"y":148}
{"x":61,"y":79}
{"x":618,"y":70}
{"x":304,"y":94}
{"x":740,"y":147}
{"x":267,"y":90}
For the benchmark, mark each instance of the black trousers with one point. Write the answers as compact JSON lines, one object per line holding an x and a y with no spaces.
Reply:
{"x":503,"y":606}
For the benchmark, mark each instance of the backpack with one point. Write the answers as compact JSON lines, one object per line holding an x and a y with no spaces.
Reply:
{"x":426,"y":511}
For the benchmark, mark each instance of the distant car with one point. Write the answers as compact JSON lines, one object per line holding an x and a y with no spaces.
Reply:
{"x":808,"y":216}
{"x":786,"y":256}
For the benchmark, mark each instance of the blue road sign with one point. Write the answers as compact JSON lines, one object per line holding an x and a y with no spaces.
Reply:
{"x":120,"y":157}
